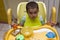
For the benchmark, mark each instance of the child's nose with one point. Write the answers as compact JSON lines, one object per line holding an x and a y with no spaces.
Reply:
{"x":33,"y":15}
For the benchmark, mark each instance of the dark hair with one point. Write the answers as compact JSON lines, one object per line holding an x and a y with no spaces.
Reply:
{"x":32,"y":5}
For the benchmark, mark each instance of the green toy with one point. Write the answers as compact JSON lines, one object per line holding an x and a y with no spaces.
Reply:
{"x":19,"y":37}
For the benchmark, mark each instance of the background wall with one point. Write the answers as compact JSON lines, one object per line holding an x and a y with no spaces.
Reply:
{"x":3,"y":15}
{"x":59,"y":13}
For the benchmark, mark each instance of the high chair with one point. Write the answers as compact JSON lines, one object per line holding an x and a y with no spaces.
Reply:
{"x":29,"y":33}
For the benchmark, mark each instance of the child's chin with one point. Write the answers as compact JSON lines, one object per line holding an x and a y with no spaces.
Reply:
{"x":33,"y":18}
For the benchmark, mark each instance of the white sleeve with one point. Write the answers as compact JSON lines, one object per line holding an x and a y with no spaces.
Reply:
{"x":41,"y":20}
{"x":22,"y":21}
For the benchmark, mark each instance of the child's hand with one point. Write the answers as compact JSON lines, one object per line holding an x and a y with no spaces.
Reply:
{"x":51,"y":23}
{"x":14,"y":26}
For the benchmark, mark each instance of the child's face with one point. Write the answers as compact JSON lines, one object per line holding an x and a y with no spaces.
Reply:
{"x":33,"y":13}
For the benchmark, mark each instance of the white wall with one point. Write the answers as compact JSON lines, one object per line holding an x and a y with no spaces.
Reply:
{"x":59,"y":13}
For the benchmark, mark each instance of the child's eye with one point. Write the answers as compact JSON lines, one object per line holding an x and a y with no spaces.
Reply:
{"x":30,"y":12}
{"x":35,"y":12}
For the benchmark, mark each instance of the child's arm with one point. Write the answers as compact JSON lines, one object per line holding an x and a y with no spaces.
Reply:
{"x":51,"y":23}
{"x":14,"y":25}
{"x":42,"y":20}
{"x":22,"y":21}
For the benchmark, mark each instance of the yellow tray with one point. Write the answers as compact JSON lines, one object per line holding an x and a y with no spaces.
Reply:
{"x":38,"y":34}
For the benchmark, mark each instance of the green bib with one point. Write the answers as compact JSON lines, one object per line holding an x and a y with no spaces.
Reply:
{"x":31,"y":23}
